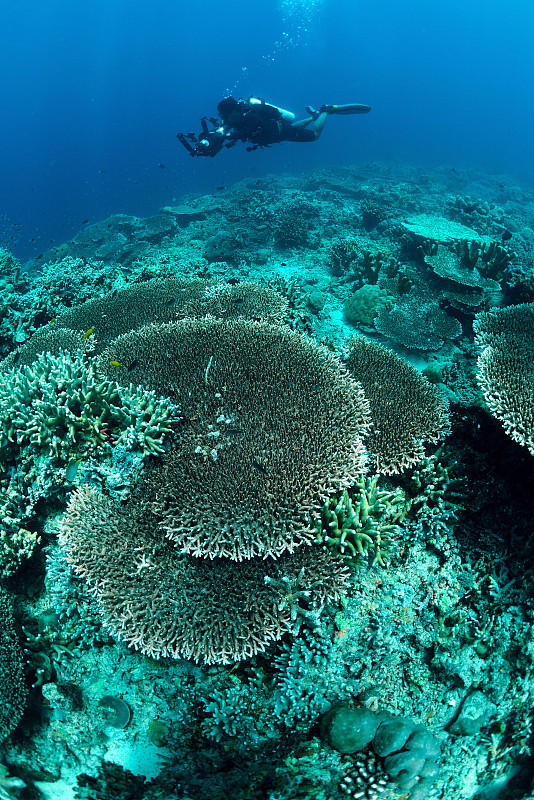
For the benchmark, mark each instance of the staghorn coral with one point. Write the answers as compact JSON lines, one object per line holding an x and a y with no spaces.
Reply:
{"x":406,"y":409}
{"x":274,"y":424}
{"x":54,"y":414}
{"x":167,"y":603}
{"x":506,"y":368}
{"x":362,"y":522}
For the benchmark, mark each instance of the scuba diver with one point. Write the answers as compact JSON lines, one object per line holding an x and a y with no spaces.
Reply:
{"x":261,"y":124}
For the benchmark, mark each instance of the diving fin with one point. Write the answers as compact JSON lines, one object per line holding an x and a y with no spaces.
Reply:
{"x":348,"y":108}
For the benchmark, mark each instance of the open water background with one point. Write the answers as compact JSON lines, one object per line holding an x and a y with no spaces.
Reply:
{"x":93,"y":95}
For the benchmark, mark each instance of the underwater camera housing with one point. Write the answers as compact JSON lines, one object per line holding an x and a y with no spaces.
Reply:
{"x":207,"y":143}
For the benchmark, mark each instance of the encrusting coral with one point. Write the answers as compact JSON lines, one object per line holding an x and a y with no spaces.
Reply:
{"x":406,"y":409}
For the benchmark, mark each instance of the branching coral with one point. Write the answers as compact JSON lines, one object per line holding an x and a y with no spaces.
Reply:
{"x":166,"y":603}
{"x":361,"y":523}
{"x":406,"y":409}
{"x":58,"y":405}
{"x":274,"y":424}
{"x":14,"y":689}
{"x":506,"y":368}
{"x":53,"y":414}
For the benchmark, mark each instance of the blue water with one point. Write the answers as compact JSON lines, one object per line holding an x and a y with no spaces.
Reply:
{"x":93,"y":94}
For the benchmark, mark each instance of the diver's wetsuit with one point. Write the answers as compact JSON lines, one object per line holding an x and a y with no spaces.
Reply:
{"x":261,"y":124}
{"x":264,"y":124}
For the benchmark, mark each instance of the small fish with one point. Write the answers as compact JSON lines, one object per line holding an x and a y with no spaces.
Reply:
{"x":115,"y":363}
{"x":232,"y":281}
{"x":85,"y":221}
{"x":239,"y":301}
{"x":506,"y":235}
{"x":234,"y":432}
{"x":171,"y":302}
{"x":219,"y":188}
{"x":88,"y":333}
{"x":16,"y":357}
{"x":132,"y":365}
{"x":72,"y":469}
{"x":259,"y":467}
{"x":114,"y":293}
{"x":162,"y":166}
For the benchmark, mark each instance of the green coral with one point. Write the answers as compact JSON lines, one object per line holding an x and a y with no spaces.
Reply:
{"x":361,"y":523}
{"x":58,"y":404}
{"x":365,"y":303}
{"x":54,"y":415}
{"x":30,"y":302}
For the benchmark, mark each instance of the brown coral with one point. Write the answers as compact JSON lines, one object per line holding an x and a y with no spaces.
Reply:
{"x":506,"y":368}
{"x":51,"y":338}
{"x":274,"y":423}
{"x":406,"y":409}
{"x":166,"y":603}
{"x":170,"y":299}
{"x":417,"y":322}
{"x":450,"y":266}
{"x":160,"y":300}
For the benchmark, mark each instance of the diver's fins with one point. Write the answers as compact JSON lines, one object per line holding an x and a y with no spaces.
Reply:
{"x":347,"y":108}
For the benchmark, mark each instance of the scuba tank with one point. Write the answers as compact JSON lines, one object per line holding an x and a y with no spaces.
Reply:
{"x":287,"y":116}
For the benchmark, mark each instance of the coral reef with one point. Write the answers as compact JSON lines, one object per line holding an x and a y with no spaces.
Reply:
{"x":362,"y":522}
{"x":364,"y":305}
{"x":417,"y":322}
{"x":54,"y":416}
{"x":161,"y":300}
{"x":408,"y":590}
{"x":439,"y":229}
